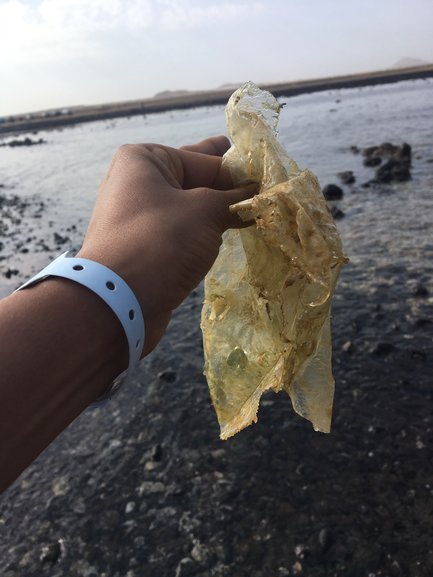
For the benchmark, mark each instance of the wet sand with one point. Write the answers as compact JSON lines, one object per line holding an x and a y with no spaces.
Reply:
{"x":76,"y":115}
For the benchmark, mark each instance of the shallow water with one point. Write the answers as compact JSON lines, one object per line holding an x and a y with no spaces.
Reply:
{"x":380,"y":226}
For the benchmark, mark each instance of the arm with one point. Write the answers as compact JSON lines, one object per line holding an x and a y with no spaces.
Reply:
{"x":157,"y":223}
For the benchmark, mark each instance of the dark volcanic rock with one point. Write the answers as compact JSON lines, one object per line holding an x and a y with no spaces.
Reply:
{"x":168,"y":376}
{"x":337,"y":213}
{"x":393,"y":170}
{"x":332,"y":192}
{"x":398,"y":161}
{"x":372,"y":161}
{"x":419,"y":290}
{"x":383,"y":348}
{"x":24,"y":142}
{"x":51,"y":553}
{"x":346,"y":177}
{"x":59,"y":239}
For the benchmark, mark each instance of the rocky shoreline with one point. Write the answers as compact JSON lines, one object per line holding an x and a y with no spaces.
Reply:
{"x":143,"y":487}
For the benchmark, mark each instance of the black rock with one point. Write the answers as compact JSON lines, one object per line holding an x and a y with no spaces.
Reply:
{"x":404,"y":152}
{"x":59,"y":239}
{"x":185,"y":567}
{"x":372,"y":161}
{"x":346,"y":177}
{"x":51,"y":553}
{"x":393,"y":170}
{"x":25,"y":142}
{"x":397,"y":165}
{"x":332,"y":192}
{"x":337,"y":213}
{"x":418,"y":354}
{"x":383,"y":349}
{"x":11,"y":272}
{"x":369,"y":150}
{"x":156,"y":453}
{"x":168,"y":376}
{"x":420,"y":291}
{"x":423,"y":323}
{"x":347,"y":347}
{"x":325,"y":540}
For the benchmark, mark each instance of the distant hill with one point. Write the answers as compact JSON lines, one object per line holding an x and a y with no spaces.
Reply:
{"x":409,"y":63}
{"x":171,"y":93}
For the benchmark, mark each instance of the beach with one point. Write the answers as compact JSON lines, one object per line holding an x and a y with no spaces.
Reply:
{"x":142,"y":486}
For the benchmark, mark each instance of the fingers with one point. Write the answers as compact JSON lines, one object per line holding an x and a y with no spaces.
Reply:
{"x":214,"y":146}
{"x":197,"y":168}
{"x":224,"y":199}
{"x":203,"y":170}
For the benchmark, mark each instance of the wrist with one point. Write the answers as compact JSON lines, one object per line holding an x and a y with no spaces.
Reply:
{"x":155,"y":319}
{"x":86,"y":340}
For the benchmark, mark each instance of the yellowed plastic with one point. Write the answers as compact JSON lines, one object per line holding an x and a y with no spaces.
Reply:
{"x":266,"y":316}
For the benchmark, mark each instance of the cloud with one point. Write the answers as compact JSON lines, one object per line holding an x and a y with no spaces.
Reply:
{"x":177,"y":15}
{"x":56,"y":29}
{"x":50,"y":30}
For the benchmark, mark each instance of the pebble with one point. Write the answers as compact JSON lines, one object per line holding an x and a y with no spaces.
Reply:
{"x":60,"y":486}
{"x":168,"y":376}
{"x":199,"y":552}
{"x":185,"y":567}
{"x":156,"y":453}
{"x":59,"y":239}
{"x":383,"y":349}
{"x":325,"y":539}
{"x":79,"y":506}
{"x":347,"y":347}
{"x":420,"y":291}
{"x":148,"y":487}
{"x":51,"y":553}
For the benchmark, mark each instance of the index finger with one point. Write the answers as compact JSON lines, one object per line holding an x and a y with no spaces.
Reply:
{"x":215,"y":146}
{"x":203,"y":170}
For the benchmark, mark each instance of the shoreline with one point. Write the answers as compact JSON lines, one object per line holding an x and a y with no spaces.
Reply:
{"x":91,"y":113}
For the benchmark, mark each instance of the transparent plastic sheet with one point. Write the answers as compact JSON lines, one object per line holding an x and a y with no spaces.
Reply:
{"x":266,"y":315}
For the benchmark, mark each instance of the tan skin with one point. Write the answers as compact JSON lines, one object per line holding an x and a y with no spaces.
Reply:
{"x":157,"y":222}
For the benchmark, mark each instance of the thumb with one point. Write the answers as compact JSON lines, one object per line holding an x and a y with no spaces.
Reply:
{"x":229,"y":199}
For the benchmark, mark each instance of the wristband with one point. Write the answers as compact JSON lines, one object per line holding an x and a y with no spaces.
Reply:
{"x":112,"y":289}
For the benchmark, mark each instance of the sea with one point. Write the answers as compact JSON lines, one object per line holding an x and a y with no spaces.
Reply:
{"x":390,"y":223}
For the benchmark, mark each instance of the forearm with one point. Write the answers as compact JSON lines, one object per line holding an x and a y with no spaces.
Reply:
{"x":61,"y":346}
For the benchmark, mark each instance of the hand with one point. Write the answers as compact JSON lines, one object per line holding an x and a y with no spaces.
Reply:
{"x":158,"y":222}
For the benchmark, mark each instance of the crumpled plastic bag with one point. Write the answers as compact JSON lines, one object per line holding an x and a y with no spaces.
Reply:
{"x":266,"y":315}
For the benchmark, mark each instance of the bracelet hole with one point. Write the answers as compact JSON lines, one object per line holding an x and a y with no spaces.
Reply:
{"x":110,"y":285}
{"x":78,"y":267}
{"x":131,"y":315}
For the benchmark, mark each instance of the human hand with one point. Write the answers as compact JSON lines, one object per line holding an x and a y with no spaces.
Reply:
{"x":158,"y":222}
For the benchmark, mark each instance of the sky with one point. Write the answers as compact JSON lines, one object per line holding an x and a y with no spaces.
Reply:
{"x":56,"y":53}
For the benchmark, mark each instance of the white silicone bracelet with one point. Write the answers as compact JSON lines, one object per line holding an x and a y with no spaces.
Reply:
{"x":112,"y":289}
